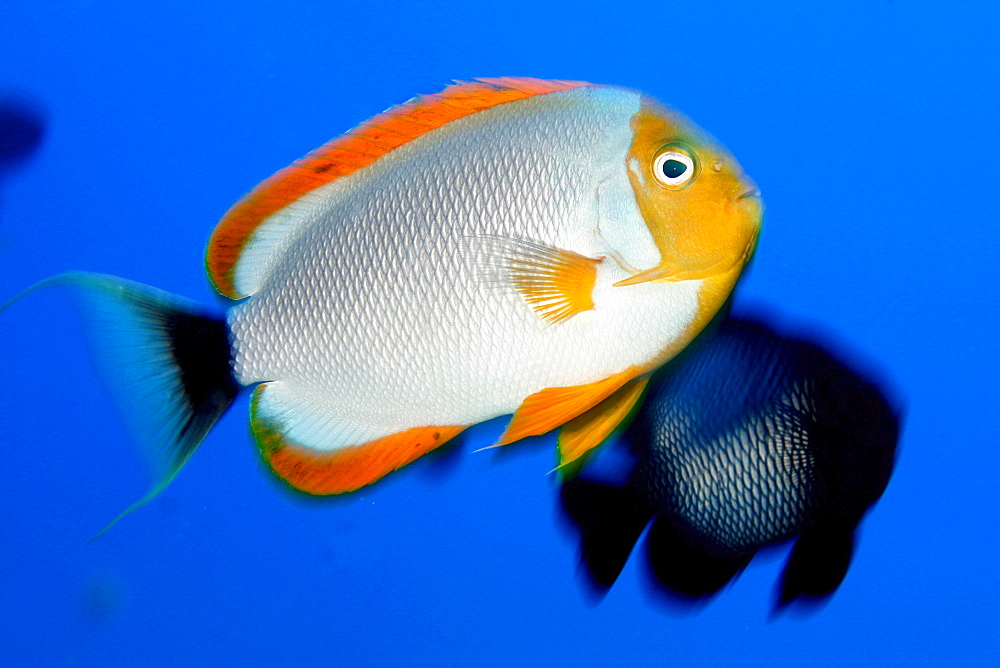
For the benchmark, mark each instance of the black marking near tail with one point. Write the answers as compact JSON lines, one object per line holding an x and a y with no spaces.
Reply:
{"x":167,"y":362}
{"x":202,"y":353}
{"x":610,"y":521}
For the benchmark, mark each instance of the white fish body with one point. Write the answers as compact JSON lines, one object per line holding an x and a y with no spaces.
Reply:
{"x":384,"y":301}
{"x":506,"y":246}
{"x":399,"y":325}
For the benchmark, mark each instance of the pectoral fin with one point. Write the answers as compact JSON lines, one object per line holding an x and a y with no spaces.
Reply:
{"x":556,"y":283}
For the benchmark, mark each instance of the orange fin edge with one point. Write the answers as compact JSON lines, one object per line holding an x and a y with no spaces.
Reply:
{"x":326,"y":472}
{"x":584,"y":433}
{"x":555,"y":406}
{"x":353,"y":150}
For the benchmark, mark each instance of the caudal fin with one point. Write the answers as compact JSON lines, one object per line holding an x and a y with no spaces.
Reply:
{"x":166,"y":360}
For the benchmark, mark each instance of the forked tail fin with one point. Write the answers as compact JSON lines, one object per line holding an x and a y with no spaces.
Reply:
{"x":166,"y":360}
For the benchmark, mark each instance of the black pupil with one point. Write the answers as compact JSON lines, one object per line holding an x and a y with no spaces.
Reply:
{"x":673,"y":168}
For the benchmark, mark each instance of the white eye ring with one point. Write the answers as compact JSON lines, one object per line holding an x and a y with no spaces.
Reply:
{"x":665,"y":164}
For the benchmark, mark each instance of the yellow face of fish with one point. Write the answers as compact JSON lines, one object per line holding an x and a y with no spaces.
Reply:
{"x":703,"y":212}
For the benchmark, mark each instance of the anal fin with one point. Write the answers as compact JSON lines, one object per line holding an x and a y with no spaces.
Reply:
{"x":344,"y":469}
{"x":584,"y":433}
{"x":555,"y":406}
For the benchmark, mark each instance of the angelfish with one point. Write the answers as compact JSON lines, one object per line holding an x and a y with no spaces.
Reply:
{"x":506,"y":246}
{"x":750,"y":437}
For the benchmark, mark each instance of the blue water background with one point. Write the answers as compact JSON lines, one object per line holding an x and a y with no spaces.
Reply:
{"x":871,"y":128}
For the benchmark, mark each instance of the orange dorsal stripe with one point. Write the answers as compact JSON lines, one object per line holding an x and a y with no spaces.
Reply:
{"x":350,"y":152}
{"x":584,"y":433}
{"x":553,"y":407}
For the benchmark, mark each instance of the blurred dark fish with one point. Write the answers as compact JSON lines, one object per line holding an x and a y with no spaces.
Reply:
{"x":22,"y":128}
{"x":750,"y":438}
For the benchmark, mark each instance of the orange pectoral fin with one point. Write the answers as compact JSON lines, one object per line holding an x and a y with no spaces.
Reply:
{"x":553,"y":407}
{"x":584,"y":433}
{"x":556,"y":284}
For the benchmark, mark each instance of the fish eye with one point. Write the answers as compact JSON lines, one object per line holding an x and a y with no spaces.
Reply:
{"x":673,"y":167}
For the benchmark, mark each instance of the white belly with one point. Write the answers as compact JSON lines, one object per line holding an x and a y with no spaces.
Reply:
{"x":474,"y":357}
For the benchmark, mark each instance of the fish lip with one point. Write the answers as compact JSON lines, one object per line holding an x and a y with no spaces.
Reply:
{"x":750,"y":189}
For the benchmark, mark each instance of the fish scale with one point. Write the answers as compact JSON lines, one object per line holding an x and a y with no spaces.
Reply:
{"x":737,"y":485}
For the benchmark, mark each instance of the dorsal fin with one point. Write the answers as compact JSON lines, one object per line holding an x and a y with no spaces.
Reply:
{"x":350,"y":152}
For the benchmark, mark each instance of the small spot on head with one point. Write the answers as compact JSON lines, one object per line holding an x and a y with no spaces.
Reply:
{"x":717,"y":166}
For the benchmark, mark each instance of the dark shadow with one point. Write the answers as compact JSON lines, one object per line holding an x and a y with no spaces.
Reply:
{"x":759,"y":434}
{"x":22,"y":130}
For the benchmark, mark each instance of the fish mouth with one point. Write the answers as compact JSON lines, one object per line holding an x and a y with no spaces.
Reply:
{"x":751,"y":203}
{"x":750,"y":189}
{"x":750,"y":211}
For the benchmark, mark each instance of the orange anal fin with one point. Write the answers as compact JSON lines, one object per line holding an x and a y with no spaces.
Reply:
{"x":349,"y":468}
{"x":584,"y":433}
{"x":553,"y":407}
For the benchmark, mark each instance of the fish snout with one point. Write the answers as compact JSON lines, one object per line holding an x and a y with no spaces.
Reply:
{"x":752,"y":206}
{"x":750,"y":202}
{"x":749,"y":188}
